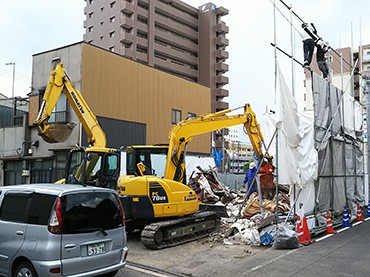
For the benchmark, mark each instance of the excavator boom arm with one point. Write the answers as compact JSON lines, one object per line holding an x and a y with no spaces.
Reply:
{"x":60,"y":82}
{"x":184,"y":131}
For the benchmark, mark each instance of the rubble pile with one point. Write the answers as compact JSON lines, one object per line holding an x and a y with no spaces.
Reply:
{"x":245,"y":223}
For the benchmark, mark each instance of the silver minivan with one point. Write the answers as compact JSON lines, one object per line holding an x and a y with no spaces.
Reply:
{"x":61,"y":230}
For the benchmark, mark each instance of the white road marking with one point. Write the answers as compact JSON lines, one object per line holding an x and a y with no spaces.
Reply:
{"x":343,"y":229}
{"x":271,"y":261}
{"x":146,"y":271}
{"x":324,"y":237}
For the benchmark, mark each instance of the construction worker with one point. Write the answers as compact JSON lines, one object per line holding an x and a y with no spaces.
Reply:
{"x":322,"y":49}
{"x":309,"y":39}
{"x":249,"y":177}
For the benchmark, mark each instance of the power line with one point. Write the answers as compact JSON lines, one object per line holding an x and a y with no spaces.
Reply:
{"x":10,"y":72}
{"x":20,"y":79}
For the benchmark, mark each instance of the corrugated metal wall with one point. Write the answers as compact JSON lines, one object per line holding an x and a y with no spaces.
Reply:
{"x":121,"y":133}
{"x":116,"y":87}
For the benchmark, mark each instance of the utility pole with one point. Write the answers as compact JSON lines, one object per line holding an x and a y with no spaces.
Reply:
{"x":14,"y":104}
{"x":13,"y":64}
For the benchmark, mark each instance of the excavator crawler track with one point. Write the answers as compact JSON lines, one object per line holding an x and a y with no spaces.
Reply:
{"x":174,"y":232}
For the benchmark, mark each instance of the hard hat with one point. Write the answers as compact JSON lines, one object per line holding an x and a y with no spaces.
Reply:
{"x":252,"y":165}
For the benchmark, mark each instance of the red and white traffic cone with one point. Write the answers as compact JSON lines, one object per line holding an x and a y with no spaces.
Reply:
{"x":301,"y":237}
{"x":359,"y":213}
{"x":306,"y":232}
{"x":329,"y":224}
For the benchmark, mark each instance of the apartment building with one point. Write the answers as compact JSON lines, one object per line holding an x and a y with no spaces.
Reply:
{"x":169,"y":35}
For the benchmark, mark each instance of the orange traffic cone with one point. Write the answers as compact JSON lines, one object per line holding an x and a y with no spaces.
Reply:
{"x":306,"y":232}
{"x":359,"y":213}
{"x":329,"y":224}
{"x":299,"y":230}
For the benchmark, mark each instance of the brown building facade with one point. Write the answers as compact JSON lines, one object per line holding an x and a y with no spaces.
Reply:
{"x":168,"y":35}
{"x":117,"y":88}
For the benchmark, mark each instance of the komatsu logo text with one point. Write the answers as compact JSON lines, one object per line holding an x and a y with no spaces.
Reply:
{"x":77,"y":102}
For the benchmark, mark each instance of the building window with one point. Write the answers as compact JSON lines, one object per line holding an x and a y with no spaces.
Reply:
{"x":112,"y":4}
{"x":111,"y":48}
{"x":101,"y":38}
{"x":90,"y":41}
{"x":90,"y":29}
{"x":111,"y":34}
{"x":112,"y":19}
{"x":176,"y":116}
{"x":101,"y":23}
{"x":12,"y":173}
{"x":91,"y":15}
{"x":59,"y":114}
{"x":102,"y":9}
{"x":91,"y":1}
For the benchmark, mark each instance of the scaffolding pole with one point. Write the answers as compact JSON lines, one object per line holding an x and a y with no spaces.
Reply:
{"x":276,"y":130}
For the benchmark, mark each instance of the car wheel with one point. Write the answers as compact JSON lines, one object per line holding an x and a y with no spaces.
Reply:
{"x":111,"y":274}
{"x":25,"y":269}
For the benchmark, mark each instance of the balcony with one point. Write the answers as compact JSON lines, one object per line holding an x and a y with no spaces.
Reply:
{"x":222,"y":41}
{"x":222,"y":28}
{"x":222,"y":67}
{"x":127,"y":38}
{"x":127,"y":23}
{"x":127,"y":7}
{"x":220,"y":106}
{"x":222,"y":54}
{"x":222,"y":80}
{"x":220,"y":92}
{"x":222,"y":11}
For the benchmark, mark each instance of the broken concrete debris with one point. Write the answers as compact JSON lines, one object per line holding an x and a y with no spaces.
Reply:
{"x":245,"y":223}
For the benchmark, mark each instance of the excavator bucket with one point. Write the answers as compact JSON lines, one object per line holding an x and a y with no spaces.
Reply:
{"x":219,"y":209}
{"x":57,"y":132}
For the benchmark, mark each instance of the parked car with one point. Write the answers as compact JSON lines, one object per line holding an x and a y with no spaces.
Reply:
{"x":61,"y":230}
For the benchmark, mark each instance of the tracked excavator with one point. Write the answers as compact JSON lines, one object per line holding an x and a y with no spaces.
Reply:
{"x":166,"y":210}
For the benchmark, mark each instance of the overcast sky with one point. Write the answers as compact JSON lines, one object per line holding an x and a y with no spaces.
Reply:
{"x":31,"y":27}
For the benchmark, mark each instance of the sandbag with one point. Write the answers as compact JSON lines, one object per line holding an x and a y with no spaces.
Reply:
{"x":253,"y":206}
{"x":285,"y":238}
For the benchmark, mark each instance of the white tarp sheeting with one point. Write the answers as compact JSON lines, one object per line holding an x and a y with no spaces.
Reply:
{"x":319,"y":153}
{"x":297,"y":157}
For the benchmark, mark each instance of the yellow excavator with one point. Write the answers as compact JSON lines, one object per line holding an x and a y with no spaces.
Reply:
{"x":166,"y":210}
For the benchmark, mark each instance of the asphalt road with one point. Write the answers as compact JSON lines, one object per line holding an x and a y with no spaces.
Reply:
{"x":343,"y":254}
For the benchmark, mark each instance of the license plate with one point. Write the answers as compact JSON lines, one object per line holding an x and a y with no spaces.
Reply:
{"x":95,"y":249}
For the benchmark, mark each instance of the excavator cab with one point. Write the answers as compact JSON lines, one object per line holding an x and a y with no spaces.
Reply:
{"x":153,"y":158}
{"x":94,"y":168}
